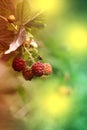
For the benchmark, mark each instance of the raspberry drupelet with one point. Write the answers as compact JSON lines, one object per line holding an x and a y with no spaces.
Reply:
{"x":18,"y":64}
{"x":38,"y":69}
{"x":27,"y":73}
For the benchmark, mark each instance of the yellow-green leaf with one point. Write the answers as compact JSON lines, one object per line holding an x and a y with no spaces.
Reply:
{"x":23,"y":11}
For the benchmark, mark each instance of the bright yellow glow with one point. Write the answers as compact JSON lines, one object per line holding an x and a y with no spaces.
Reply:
{"x":76,"y":38}
{"x":56,"y":105}
{"x":49,"y":6}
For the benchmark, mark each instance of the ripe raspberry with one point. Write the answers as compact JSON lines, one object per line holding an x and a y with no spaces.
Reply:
{"x":47,"y":69}
{"x":18,"y":64}
{"x":38,"y":69}
{"x":27,"y":74}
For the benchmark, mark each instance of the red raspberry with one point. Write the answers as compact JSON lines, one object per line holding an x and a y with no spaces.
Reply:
{"x":18,"y":64}
{"x":47,"y":69}
{"x":38,"y":69}
{"x":27,"y":73}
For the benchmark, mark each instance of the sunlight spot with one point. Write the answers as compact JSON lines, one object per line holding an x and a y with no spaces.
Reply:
{"x":76,"y":38}
{"x":55,"y":104}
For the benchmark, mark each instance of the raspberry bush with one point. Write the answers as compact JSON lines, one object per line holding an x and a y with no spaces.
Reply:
{"x":16,"y":37}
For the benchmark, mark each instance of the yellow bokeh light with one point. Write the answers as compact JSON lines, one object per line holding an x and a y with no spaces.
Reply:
{"x":49,"y":6}
{"x":55,"y":104}
{"x":76,"y":38}
{"x":63,"y":90}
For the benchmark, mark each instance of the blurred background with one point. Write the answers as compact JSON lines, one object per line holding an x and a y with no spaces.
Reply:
{"x":57,"y":102}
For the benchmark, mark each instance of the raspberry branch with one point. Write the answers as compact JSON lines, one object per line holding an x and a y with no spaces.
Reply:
{"x":5,"y":19}
{"x":12,"y":24}
{"x":29,"y":55}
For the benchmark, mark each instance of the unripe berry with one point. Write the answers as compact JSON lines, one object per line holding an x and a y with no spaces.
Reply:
{"x":47,"y":69}
{"x":11,"y":18}
{"x":26,"y":43}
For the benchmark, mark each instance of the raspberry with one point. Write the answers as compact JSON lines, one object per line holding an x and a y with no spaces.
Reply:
{"x":38,"y":69}
{"x":47,"y":69}
{"x":27,"y":74}
{"x":18,"y":64}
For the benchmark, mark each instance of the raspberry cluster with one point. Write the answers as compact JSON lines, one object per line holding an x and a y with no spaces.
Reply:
{"x":37,"y":69}
{"x":24,"y":45}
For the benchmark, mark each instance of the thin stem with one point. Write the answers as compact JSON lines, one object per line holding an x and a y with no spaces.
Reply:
{"x":29,"y":55}
{"x":15,"y":27}
{"x":5,"y":19}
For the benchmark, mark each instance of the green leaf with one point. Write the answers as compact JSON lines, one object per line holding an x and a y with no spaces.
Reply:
{"x":36,"y":20}
{"x":23,"y":11}
{"x":27,"y":16}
